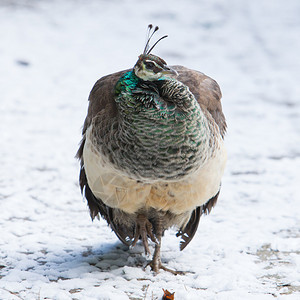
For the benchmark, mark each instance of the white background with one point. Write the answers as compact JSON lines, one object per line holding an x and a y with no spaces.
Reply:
{"x":52,"y":52}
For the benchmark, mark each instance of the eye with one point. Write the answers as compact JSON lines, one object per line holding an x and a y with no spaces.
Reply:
{"x":149,"y":64}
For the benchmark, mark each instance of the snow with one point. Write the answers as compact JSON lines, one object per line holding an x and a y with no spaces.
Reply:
{"x":52,"y":52}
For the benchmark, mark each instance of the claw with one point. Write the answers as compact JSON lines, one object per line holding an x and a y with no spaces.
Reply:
{"x":156,"y":265}
{"x":143,"y":229}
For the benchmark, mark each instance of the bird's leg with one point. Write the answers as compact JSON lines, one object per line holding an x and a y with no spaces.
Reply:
{"x":155,"y":263}
{"x":143,"y":229}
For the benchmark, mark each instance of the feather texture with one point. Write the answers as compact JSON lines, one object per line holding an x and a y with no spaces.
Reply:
{"x":153,"y":148}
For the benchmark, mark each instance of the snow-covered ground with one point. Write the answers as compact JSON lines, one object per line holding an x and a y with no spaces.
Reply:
{"x":52,"y":52}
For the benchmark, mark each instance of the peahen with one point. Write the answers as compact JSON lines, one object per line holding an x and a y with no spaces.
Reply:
{"x":152,"y":153}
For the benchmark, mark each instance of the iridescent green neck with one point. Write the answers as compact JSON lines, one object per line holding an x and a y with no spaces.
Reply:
{"x":126,"y":83}
{"x":135,"y":96}
{"x":161,"y":99}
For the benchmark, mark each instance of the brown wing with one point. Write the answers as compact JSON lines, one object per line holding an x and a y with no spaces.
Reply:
{"x":101,"y":99}
{"x":101,"y":102}
{"x":207,"y":93}
{"x":187,"y":233}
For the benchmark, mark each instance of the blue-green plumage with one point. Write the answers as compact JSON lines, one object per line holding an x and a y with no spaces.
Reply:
{"x":126,"y":83}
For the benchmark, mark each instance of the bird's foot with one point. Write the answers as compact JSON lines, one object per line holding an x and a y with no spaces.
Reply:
{"x":143,"y":229}
{"x":156,"y":265}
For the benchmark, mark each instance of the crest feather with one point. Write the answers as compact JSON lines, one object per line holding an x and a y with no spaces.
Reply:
{"x":149,"y":37}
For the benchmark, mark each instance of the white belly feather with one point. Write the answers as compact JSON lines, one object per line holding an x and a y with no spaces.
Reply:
{"x":117,"y":190}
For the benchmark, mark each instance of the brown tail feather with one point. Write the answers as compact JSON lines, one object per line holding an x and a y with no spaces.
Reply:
{"x":187,"y":233}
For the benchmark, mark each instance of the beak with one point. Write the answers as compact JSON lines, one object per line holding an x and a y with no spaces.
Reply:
{"x":169,"y":70}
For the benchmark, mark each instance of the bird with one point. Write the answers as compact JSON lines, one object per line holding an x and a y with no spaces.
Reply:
{"x":152,"y":153}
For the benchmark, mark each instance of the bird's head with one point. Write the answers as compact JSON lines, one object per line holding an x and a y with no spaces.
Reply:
{"x":151,"y":67}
